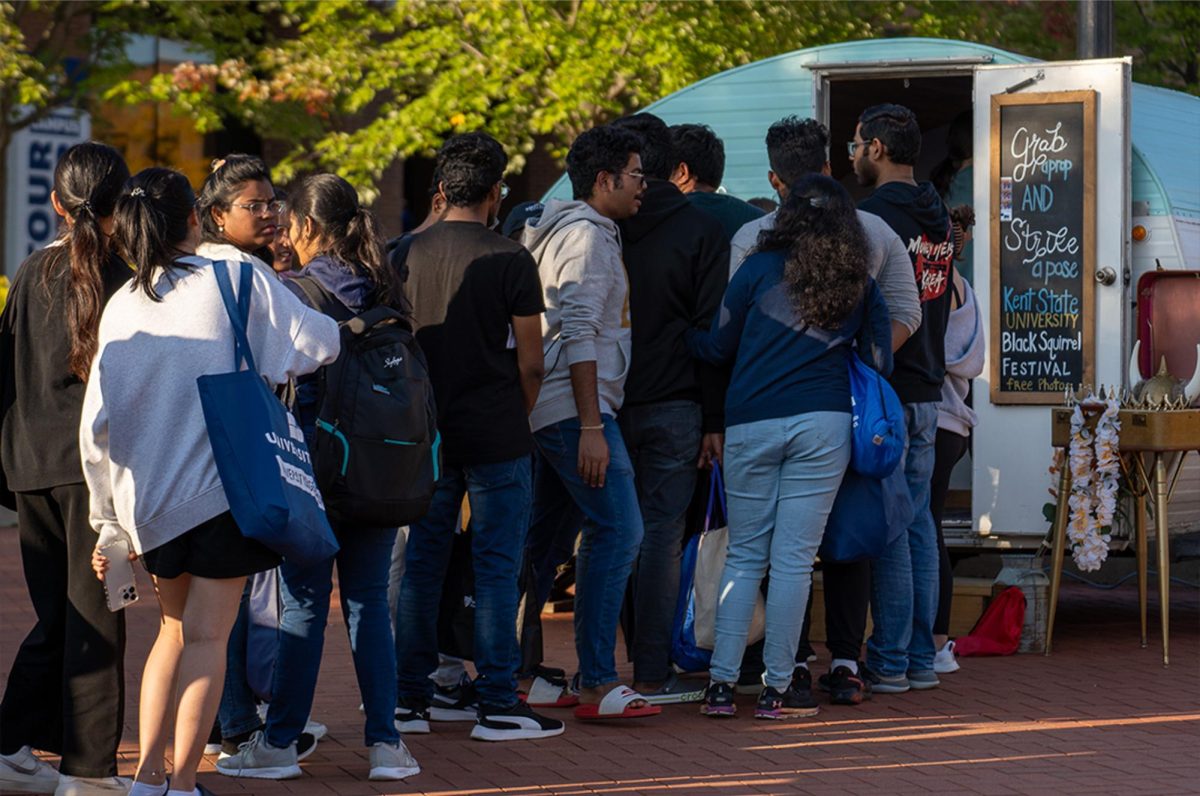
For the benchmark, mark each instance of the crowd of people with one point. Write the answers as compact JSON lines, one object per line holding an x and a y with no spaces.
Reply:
{"x":589,"y":359}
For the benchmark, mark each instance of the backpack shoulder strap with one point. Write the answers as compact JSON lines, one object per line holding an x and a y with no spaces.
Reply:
{"x":321,"y":299}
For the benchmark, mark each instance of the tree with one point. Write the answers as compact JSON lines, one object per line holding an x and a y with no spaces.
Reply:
{"x":352,"y":86}
{"x":67,"y":54}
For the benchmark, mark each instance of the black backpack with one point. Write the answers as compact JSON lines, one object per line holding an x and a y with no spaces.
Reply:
{"x":376,"y":454}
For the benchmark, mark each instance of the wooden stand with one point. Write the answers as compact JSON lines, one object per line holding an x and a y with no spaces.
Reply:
{"x":1158,"y":435}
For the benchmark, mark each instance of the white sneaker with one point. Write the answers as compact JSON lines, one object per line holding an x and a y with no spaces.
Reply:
{"x":257,"y":759}
{"x":89,"y":786}
{"x":944,"y":661}
{"x":392,"y":762}
{"x":316,"y":729}
{"x":25,"y":772}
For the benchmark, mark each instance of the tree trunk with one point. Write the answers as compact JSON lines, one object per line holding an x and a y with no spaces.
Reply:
{"x":6,"y":268}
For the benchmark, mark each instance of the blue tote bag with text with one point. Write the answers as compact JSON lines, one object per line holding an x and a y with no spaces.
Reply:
{"x":264,"y":465}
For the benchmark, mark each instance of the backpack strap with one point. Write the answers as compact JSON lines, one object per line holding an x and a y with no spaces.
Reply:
{"x":321,"y":299}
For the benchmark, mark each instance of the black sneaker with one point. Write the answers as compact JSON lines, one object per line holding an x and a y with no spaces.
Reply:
{"x":516,"y":723}
{"x":306,"y":744}
{"x":412,"y":716}
{"x":749,"y":683}
{"x":786,"y":704}
{"x":231,"y":746}
{"x":718,"y":701}
{"x":844,"y":686}
{"x":455,"y":703}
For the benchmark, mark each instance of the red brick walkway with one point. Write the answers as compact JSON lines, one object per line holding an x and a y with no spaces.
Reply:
{"x":1099,"y":716}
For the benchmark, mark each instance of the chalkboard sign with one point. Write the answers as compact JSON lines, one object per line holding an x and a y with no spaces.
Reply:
{"x":1043,"y":259}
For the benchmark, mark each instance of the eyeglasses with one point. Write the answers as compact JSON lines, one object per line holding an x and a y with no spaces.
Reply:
{"x":261,"y":208}
{"x":637,"y":175}
{"x":852,"y":146}
{"x":503,"y":190}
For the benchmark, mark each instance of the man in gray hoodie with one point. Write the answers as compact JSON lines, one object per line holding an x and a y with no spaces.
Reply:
{"x":583,"y":476}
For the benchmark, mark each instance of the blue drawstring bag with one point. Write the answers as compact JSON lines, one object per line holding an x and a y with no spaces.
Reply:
{"x":878,"y":432}
{"x":685,"y":652}
{"x":258,"y":447}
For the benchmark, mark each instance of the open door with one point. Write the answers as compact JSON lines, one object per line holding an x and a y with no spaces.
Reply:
{"x":1052,"y":182}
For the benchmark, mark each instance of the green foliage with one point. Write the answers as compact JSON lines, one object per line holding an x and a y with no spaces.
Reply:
{"x":351,"y":85}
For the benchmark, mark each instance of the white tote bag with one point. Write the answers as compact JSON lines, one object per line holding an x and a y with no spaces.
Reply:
{"x":710,"y":567}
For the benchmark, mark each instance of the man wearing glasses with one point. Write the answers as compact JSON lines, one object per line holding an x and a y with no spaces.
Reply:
{"x":583,"y":476}
{"x":477,"y":304}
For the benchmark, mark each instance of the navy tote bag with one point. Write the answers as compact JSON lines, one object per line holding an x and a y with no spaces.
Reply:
{"x":259,"y":449}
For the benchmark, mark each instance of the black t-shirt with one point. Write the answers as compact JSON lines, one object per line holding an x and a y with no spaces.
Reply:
{"x":920,"y":218}
{"x":466,"y":283}
{"x":40,"y":398}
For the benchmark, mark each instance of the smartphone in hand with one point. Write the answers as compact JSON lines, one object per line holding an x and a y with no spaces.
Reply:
{"x":120,"y":586}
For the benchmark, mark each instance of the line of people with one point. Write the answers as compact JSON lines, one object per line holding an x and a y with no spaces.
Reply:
{"x":586,"y":365}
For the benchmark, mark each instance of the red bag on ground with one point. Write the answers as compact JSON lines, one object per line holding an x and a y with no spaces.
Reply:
{"x":998,"y":631}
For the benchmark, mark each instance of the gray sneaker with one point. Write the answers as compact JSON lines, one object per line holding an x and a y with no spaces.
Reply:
{"x":923,"y":680}
{"x":257,"y":759}
{"x":25,"y":772}
{"x":392,"y":762}
{"x":885,"y":684}
{"x":674,"y":691}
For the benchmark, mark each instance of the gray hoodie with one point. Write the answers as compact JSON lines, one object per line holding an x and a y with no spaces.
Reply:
{"x":146,"y":456}
{"x":964,"y":361}
{"x":578,"y":252}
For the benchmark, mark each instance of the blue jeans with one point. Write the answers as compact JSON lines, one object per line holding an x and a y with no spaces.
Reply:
{"x":238,"y":712}
{"x":612,"y":531}
{"x":663,"y":441}
{"x":500,"y":495}
{"x":904,"y":581}
{"x":781,"y":476}
{"x":362,"y":564}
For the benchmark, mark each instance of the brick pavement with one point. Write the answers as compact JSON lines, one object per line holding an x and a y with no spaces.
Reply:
{"x":1099,"y":716}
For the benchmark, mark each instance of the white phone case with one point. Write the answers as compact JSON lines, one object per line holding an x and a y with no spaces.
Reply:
{"x":120,"y":585}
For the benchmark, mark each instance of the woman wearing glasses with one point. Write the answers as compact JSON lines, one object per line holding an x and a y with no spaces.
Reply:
{"x":239,"y":214}
{"x":239,"y":211}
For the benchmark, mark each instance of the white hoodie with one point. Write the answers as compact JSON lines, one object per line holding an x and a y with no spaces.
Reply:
{"x":578,"y":252}
{"x":964,"y":361}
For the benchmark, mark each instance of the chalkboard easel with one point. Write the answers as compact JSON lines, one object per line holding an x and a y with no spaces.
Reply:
{"x":1043,"y":233}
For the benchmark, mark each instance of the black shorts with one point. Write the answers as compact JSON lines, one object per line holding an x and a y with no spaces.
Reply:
{"x":214,"y":549}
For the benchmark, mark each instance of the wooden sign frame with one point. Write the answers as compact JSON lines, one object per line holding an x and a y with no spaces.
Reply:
{"x":1088,"y":100}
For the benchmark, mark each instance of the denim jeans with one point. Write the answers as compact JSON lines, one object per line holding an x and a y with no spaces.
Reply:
{"x":663,"y":441}
{"x":612,"y":531}
{"x":238,"y":712}
{"x":500,"y":495}
{"x":781,"y":476}
{"x":362,"y":565}
{"x":904,"y":581}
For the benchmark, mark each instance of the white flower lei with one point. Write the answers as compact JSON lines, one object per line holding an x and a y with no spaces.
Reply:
{"x":1095,"y":476}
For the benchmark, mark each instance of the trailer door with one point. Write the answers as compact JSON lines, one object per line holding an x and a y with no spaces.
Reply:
{"x":1061,"y":237}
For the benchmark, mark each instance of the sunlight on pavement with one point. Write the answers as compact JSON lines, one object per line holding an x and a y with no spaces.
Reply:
{"x":938,"y":731}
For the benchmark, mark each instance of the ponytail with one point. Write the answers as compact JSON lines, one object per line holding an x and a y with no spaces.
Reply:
{"x":349,"y":233}
{"x":151,"y":223}
{"x":87,"y":180}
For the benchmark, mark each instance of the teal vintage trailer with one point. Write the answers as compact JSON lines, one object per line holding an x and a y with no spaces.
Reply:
{"x":1146,"y":212}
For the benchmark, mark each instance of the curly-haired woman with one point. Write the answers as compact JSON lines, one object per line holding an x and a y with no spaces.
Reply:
{"x":788,"y":317}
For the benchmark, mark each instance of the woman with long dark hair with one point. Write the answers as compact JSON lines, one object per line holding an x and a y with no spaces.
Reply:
{"x":149,"y":464}
{"x":341,"y":252}
{"x":789,"y":316}
{"x":239,"y":211}
{"x":66,"y":690}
